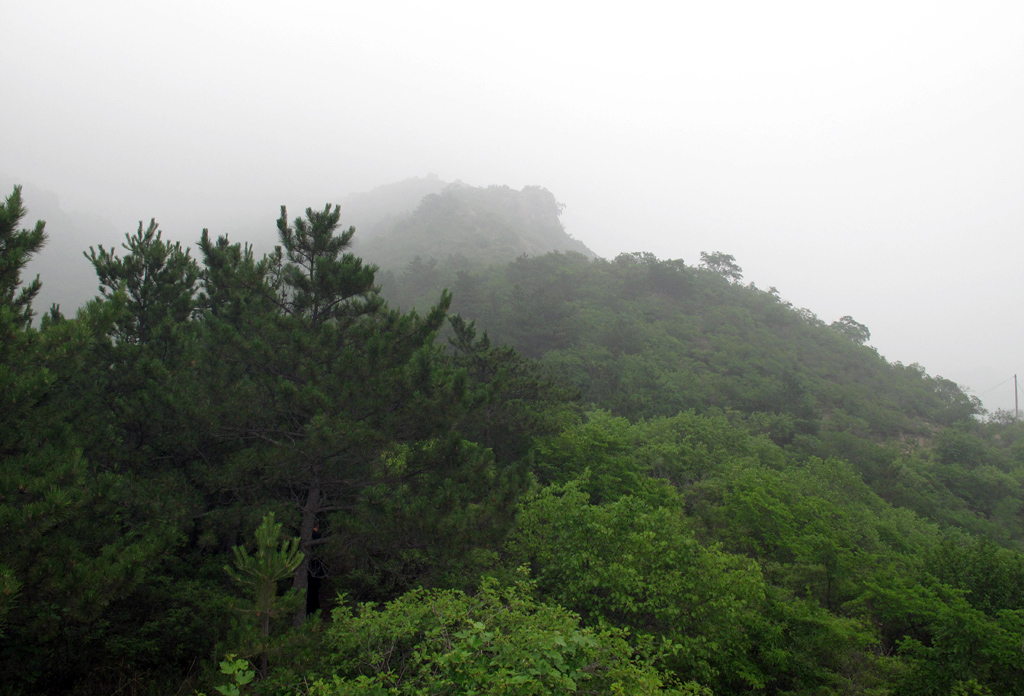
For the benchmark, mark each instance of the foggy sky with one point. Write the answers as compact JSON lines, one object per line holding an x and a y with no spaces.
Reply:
{"x":864,"y":158}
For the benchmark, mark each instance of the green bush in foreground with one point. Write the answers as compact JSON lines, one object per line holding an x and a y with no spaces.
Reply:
{"x":499,"y":641}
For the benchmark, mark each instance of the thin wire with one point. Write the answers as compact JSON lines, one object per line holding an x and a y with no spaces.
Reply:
{"x":997,"y":386}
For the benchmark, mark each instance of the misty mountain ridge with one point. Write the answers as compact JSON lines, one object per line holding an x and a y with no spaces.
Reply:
{"x":428,"y":218}
{"x":422,"y":217}
{"x":374,"y":212}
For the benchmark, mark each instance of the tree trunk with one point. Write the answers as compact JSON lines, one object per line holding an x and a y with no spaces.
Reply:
{"x":266,"y":644}
{"x":301,"y":581}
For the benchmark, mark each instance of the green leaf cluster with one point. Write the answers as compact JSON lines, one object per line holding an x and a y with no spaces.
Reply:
{"x":496,"y":641}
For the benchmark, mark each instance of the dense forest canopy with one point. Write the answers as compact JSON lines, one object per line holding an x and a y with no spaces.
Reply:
{"x":542,"y":474}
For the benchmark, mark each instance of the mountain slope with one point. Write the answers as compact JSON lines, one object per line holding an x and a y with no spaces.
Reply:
{"x":482,"y":225}
{"x":373,"y":213}
{"x":646,"y":338}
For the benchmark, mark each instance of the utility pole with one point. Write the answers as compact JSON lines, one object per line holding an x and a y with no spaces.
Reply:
{"x":1016,"y":408}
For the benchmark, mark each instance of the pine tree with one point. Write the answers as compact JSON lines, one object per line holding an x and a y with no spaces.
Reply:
{"x":260,"y":572}
{"x":16,"y":247}
{"x":145,"y":395}
{"x":158,"y":278}
{"x":341,"y":407}
{"x":67,"y":552}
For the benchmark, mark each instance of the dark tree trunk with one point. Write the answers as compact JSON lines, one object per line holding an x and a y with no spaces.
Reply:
{"x":301,"y":582}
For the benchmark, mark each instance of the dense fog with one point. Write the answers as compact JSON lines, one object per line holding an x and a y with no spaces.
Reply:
{"x":866,"y":160}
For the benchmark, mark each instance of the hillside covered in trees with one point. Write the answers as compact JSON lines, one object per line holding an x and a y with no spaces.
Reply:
{"x":544,"y":474}
{"x":456,"y":224}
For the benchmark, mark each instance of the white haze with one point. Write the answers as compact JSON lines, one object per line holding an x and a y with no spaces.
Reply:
{"x":864,"y":158}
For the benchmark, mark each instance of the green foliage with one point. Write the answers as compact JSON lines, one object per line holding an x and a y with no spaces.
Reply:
{"x":234,"y":284}
{"x":514,"y":401}
{"x":260,"y":573}
{"x":498,"y":641}
{"x":741,"y":506}
{"x":16,"y":247}
{"x":722,"y":264}
{"x":643,"y":337}
{"x":947,"y":645}
{"x":9,"y":588}
{"x":345,"y":412}
{"x":73,"y":547}
{"x":240,"y":675}
{"x":159,"y":280}
{"x":852,"y":329}
{"x":641,"y":567}
{"x":639,"y":459}
{"x":324,"y":284}
{"x":992,"y":577}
